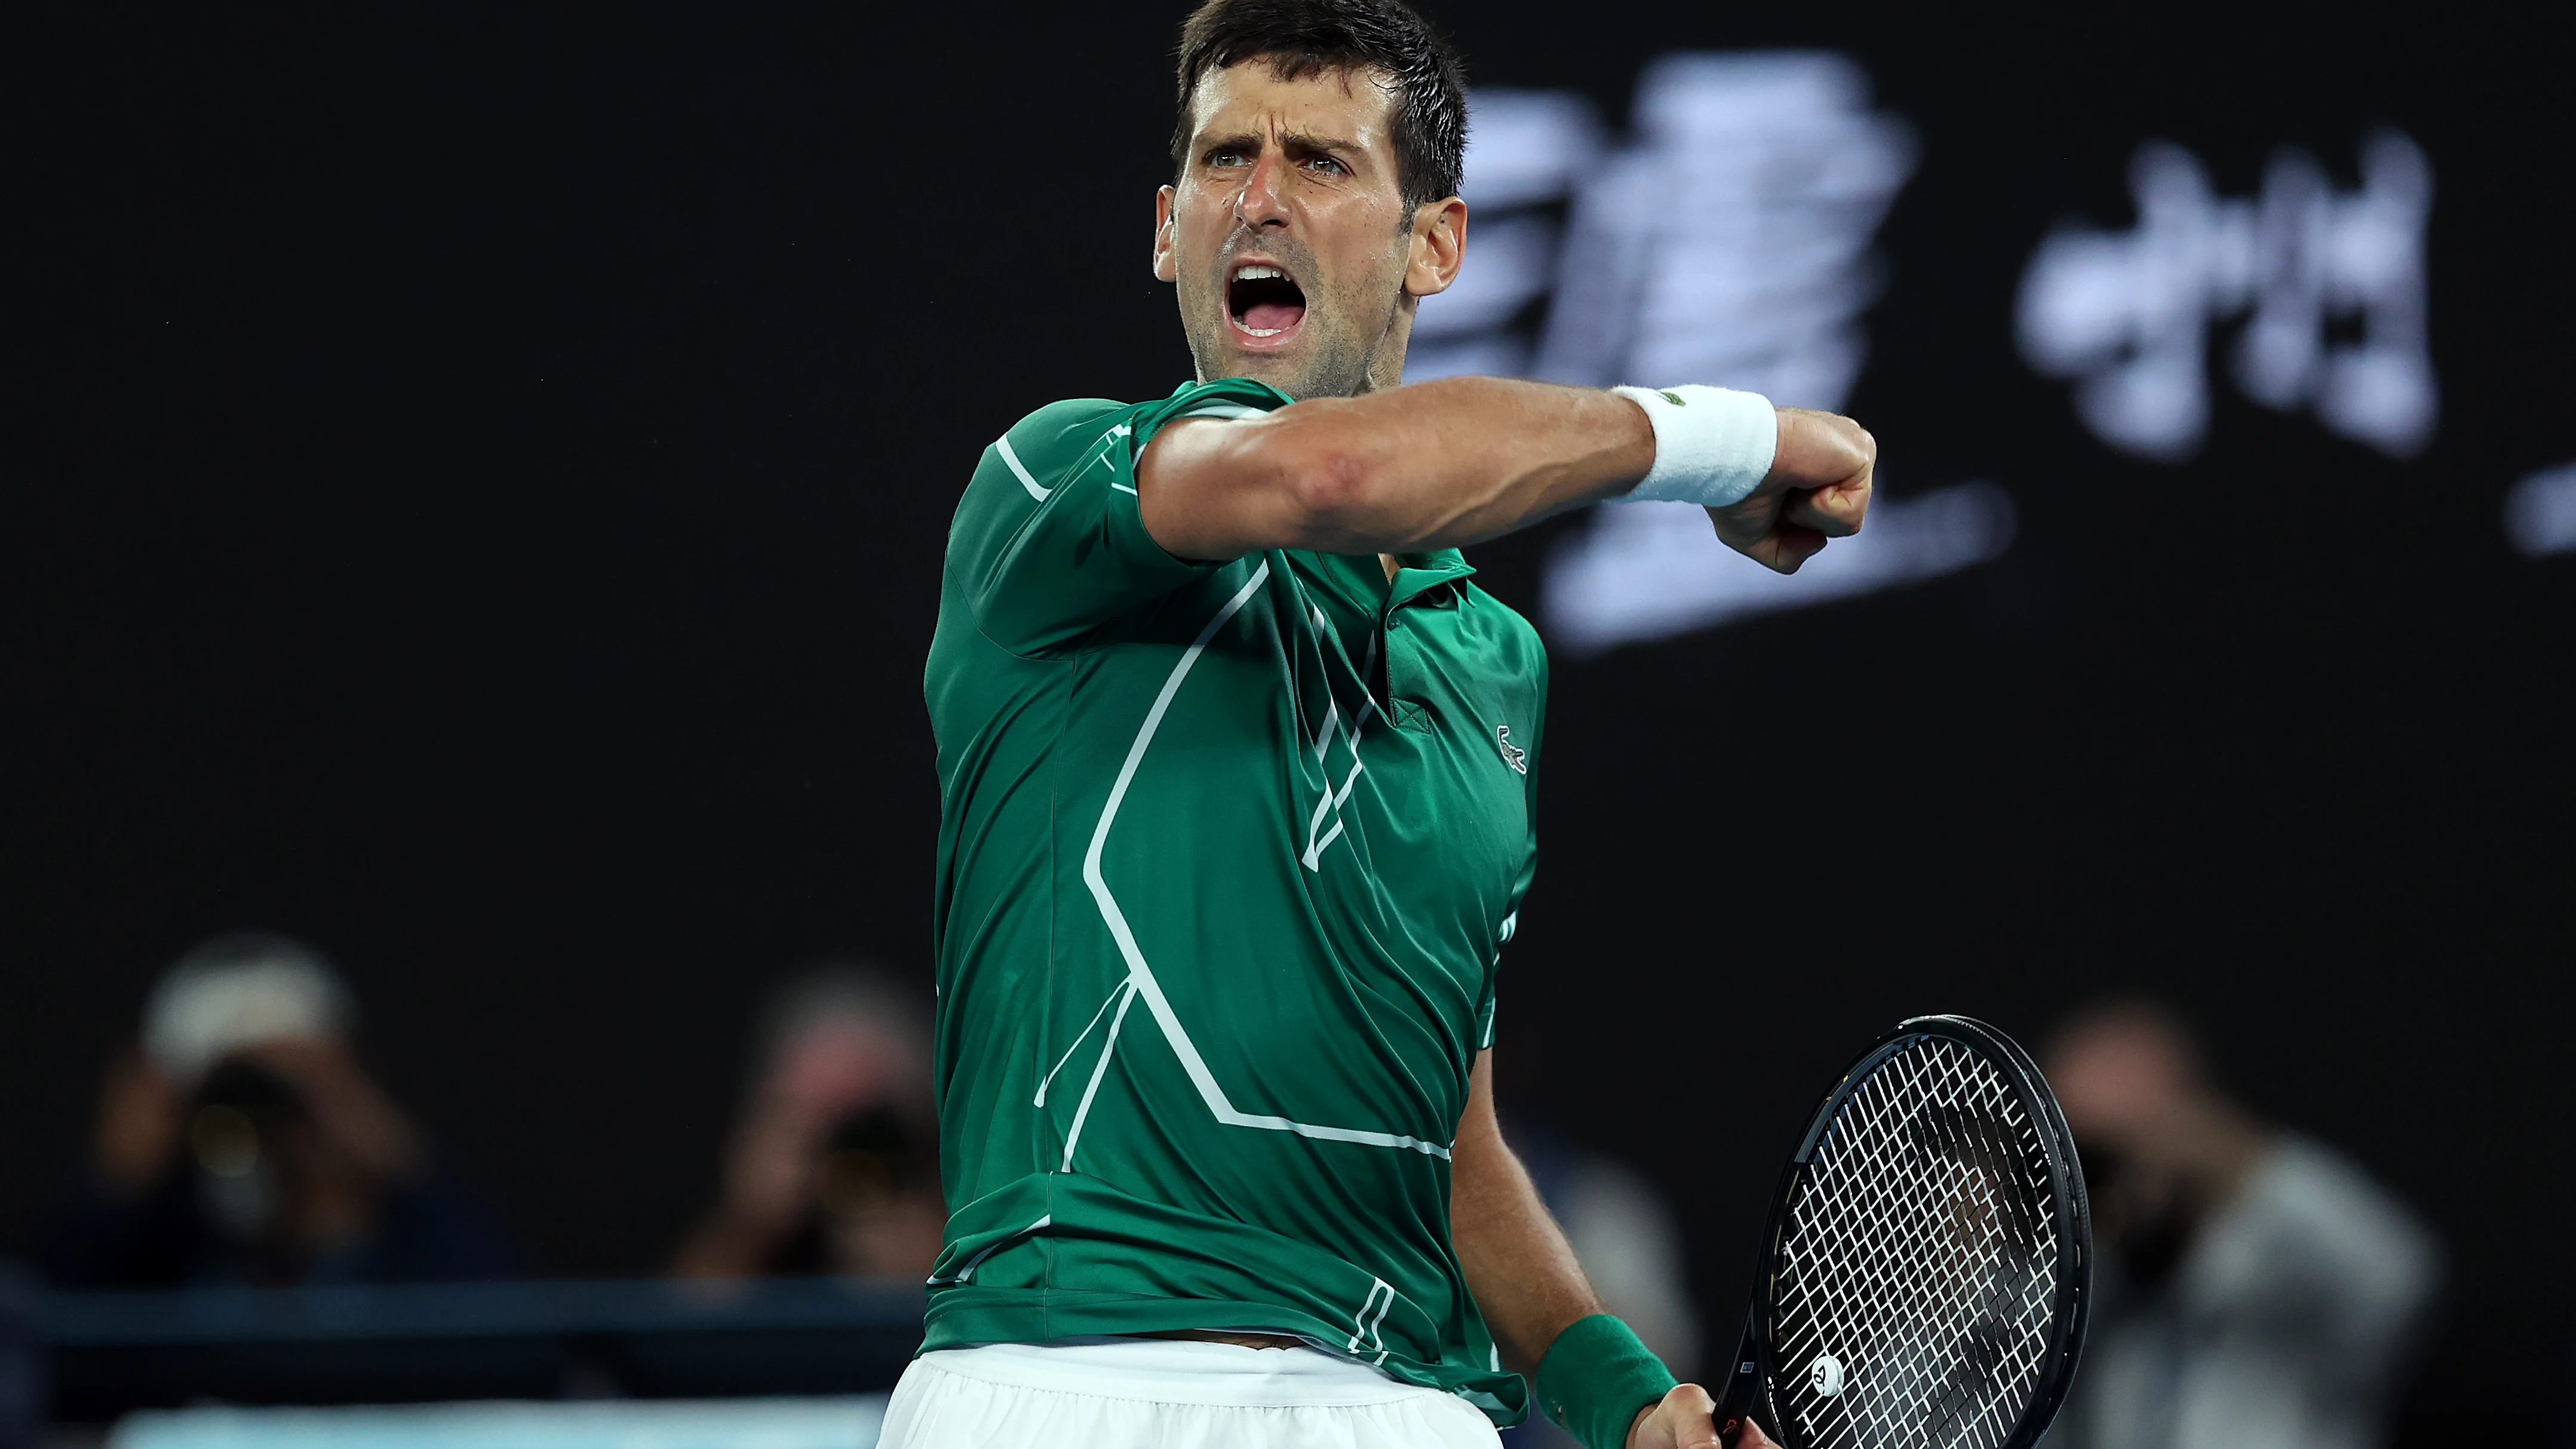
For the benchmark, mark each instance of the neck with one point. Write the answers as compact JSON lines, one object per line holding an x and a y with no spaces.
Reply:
{"x":1386,"y":363}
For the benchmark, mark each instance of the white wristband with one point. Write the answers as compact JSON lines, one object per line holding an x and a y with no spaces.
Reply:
{"x":1713,"y":445}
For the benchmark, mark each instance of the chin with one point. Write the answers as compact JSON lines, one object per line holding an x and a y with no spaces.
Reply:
{"x":1286,"y":371}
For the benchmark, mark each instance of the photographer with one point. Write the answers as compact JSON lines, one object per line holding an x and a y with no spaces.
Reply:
{"x":2255,"y":1287}
{"x":240,"y":1142}
{"x":834,"y":1162}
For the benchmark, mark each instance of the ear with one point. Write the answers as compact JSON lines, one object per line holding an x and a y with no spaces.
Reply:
{"x":1167,"y":261}
{"x":1439,"y":246}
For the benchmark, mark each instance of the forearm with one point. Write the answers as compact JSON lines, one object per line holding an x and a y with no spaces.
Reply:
{"x":1519,"y":1266}
{"x":1452,"y":462}
{"x":1598,"y":1381}
{"x":1433,"y":465}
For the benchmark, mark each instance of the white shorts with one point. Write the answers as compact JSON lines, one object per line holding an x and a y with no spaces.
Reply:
{"x":1159,"y":1393}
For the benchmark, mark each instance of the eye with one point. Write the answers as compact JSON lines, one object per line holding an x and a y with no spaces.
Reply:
{"x":1225,"y":156}
{"x":1327,"y":165}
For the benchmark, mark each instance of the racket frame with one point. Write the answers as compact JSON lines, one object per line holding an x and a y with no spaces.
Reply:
{"x":1749,"y":1388}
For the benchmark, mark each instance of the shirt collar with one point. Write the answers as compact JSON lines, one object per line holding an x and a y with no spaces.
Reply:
{"x":1419,"y":573}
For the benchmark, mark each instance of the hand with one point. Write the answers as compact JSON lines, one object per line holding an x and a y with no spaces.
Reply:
{"x":1818,"y":489}
{"x":353,"y":1114}
{"x":771,"y":1165}
{"x":1686,"y":1418}
{"x":770,"y":1168}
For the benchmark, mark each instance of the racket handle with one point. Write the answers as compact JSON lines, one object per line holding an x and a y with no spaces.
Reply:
{"x":1735,"y":1398}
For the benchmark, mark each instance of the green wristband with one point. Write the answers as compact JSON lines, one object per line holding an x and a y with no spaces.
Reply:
{"x":1595,"y":1378}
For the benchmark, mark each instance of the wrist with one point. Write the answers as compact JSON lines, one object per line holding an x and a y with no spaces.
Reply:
{"x":1597,"y":1380}
{"x":1713,"y":445}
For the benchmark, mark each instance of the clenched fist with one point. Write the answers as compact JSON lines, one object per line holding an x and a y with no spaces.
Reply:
{"x":1818,"y":489}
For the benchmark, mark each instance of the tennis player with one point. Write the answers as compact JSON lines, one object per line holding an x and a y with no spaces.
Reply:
{"x":1236,"y":767}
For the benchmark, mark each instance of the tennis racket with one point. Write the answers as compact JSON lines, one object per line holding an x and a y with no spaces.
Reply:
{"x":1927,"y":1267}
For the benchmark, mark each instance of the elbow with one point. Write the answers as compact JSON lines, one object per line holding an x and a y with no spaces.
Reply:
{"x":1334,"y":496}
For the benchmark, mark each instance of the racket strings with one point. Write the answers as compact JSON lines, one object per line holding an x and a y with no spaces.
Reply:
{"x":1919,"y":1273}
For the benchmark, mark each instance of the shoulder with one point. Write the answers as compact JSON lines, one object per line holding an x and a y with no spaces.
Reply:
{"x":1063,"y":434}
{"x":2326,"y":1194}
{"x":1031,"y":459}
{"x":2309,"y":1214}
{"x":1224,"y":397}
{"x":1051,"y":437}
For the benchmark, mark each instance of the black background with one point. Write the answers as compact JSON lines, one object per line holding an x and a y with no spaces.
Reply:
{"x":478,"y":478}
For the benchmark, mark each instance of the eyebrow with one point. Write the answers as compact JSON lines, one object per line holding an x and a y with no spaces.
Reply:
{"x":1291,"y":141}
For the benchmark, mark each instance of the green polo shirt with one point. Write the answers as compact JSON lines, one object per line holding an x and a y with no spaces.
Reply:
{"x":1227,"y":856}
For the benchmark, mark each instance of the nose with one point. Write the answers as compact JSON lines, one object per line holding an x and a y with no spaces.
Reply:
{"x":1262,"y":202}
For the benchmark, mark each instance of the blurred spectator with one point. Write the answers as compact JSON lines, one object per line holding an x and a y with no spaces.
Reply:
{"x":834,"y":1163}
{"x":2254,"y":1288}
{"x":242,"y":1143}
{"x":1625,"y":1236}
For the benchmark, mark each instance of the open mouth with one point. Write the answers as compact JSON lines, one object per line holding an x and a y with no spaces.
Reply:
{"x":1264,"y":300}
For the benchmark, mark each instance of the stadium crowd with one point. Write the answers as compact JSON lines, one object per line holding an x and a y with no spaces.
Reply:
{"x":2250,"y":1277}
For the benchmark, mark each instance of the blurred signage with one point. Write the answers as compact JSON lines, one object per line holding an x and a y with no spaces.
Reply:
{"x":1726,"y":240}
{"x":1625,"y":581}
{"x":2128,"y":314}
{"x":2540,"y":512}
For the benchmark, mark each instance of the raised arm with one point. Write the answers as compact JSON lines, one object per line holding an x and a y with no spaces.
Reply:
{"x":1452,"y":462}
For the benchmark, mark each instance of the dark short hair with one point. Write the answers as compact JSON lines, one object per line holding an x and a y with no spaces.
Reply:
{"x":1301,"y":38}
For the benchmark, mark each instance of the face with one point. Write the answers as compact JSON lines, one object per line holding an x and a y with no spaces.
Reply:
{"x":1296,"y":260}
{"x":2126,"y":1085}
{"x":2122,"y":1083}
{"x":835,"y":1065}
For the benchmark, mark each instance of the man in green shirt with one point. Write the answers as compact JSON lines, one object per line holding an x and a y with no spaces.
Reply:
{"x":1236,"y":767}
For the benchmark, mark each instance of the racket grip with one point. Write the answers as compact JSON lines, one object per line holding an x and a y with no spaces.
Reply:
{"x":1735,"y":1397}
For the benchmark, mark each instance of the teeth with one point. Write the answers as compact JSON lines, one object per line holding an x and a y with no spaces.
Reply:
{"x":1264,"y":331}
{"x":1259,"y":274}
